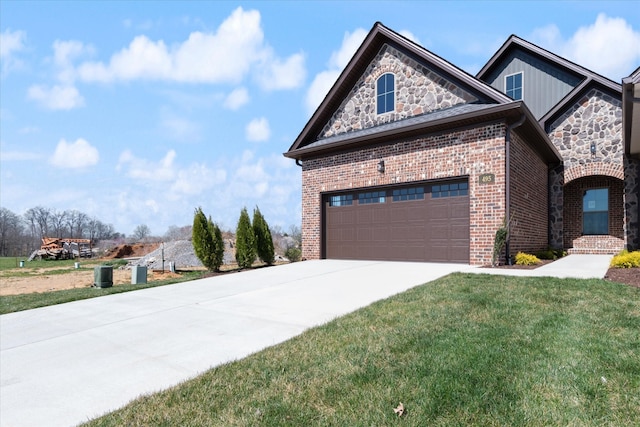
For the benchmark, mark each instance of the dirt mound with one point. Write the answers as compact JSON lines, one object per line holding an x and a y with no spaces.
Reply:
{"x":131,"y":251}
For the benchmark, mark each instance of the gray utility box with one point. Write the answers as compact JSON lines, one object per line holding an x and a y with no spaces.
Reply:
{"x":138,"y":274}
{"x":103,"y":276}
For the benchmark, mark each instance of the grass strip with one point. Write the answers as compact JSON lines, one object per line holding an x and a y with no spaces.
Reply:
{"x":463,"y":350}
{"x":13,"y":303}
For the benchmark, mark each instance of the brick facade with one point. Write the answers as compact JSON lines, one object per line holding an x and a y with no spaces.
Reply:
{"x":529,"y":205}
{"x":573,"y":194}
{"x":466,"y":153}
{"x":545,"y":191}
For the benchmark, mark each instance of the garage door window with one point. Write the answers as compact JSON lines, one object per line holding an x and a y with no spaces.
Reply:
{"x":402,"y":194}
{"x":372,"y":197}
{"x":341,"y":200}
{"x":450,"y":190}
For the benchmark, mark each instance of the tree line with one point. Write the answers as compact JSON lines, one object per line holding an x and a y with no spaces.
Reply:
{"x":22,"y":234}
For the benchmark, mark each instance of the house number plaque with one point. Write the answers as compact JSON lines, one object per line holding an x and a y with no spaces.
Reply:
{"x":487,"y":178}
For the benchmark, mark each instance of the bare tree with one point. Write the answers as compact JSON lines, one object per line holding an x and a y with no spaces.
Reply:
{"x":58,"y":222}
{"x":38,"y":218}
{"x":11,"y":232}
{"x":77,"y":223}
{"x":141,"y":232}
{"x":294,"y":231}
{"x":178,"y":233}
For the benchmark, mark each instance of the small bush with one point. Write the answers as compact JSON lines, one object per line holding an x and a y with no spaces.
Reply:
{"x":526,"y":259}
{"x":552,"y":254}
{"x":626,"y":259}
{"x":293,"y":254}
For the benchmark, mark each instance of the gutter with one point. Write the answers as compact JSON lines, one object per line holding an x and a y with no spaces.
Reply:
{"x":507,"y":179}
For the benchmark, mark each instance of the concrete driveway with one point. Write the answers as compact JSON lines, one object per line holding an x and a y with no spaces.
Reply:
{"x":65,"y":364}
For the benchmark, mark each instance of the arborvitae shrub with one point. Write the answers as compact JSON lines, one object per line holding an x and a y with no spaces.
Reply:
{"x":264,"y":241}
{"x":207,"y":241}
{"x":218,"y":244}
{"x":245,"y":241}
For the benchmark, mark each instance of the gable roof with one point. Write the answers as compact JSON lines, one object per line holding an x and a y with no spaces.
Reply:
{"x":377,"y":37}
{"x":588,"y":78}
{"x":631,"y":113}
{"x":458,"y":116}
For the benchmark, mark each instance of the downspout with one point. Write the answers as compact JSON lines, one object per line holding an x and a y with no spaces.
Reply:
{"x":298,"y":162}
{"x":507,"y":179}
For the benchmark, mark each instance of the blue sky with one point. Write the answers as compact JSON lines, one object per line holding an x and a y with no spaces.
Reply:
{"x":139,"y":112}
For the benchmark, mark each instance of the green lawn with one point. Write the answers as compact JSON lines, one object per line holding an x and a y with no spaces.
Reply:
{"x":13,"y":303}
{"x":463,"y":350}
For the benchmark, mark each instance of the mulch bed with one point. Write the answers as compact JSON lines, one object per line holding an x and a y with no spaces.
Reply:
{"x":626,"y":276}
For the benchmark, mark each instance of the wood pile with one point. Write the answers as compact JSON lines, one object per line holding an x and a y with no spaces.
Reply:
{"x":62,"y":248}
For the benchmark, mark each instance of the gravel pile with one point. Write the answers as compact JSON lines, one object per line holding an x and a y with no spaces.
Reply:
{"x":180,"y":253}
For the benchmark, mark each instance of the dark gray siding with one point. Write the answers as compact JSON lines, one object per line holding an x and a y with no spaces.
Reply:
{"x":543,"y":84}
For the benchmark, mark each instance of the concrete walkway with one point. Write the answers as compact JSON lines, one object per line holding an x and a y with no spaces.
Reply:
{"x":65,"y":364}
{"x":571,"y":266}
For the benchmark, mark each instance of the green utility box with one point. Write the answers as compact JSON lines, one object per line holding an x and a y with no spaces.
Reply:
{"x":138,"y":274}
{"x":103,"y":276}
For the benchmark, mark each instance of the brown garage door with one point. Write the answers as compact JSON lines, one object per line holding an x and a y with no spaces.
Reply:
{"x":428,"y":222}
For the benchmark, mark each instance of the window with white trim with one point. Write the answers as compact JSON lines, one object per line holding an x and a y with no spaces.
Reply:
{"x":513,"y":86}
{"x":385,"y":93}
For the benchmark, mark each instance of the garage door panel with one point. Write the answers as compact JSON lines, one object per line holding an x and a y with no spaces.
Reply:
{"x":412,"y":229}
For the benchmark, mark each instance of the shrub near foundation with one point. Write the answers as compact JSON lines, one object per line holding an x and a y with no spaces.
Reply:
{"x":626,"y":259}
{"x":526,"y":259}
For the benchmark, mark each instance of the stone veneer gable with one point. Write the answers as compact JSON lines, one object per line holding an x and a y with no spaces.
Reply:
{"x":419,"y":90}
{"x":597,"y":118}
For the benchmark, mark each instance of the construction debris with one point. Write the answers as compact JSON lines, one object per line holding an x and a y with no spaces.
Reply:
{"x":62,"y":248}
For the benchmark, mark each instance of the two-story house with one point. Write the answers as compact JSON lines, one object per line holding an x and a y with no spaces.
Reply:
{"x":409,"y":157}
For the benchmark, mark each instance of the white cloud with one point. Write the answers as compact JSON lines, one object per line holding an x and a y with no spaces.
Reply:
{"x":75,"y":155}
{"x":148,"y":171}
{"x":166,"y":175}
{"x":56,"y":97}
{"x":225,"y":56}
{"x":196,"y":179}
{"x":610,"y":46}
{"x":11,"y":42}
{"x":64,"y":53}
{"x":408,"y":34}
{"x":236,"y":99}
{"x":275,"y":74}
{"x":319,"y":88}
{"x":350,"y":43}
{"x":180,"y":129}
{"x":258,"y":130}
{"x":339,"y":59}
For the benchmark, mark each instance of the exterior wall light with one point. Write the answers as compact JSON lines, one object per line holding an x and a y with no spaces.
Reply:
{"x":381,"y":166}
{"x":593,"y":148}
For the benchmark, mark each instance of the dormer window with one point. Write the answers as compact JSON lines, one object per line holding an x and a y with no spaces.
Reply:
{"x":513,"y":86}
{"x":385,"y":89}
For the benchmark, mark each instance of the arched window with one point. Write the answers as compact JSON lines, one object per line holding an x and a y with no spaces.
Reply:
{"x":385,"y":93}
